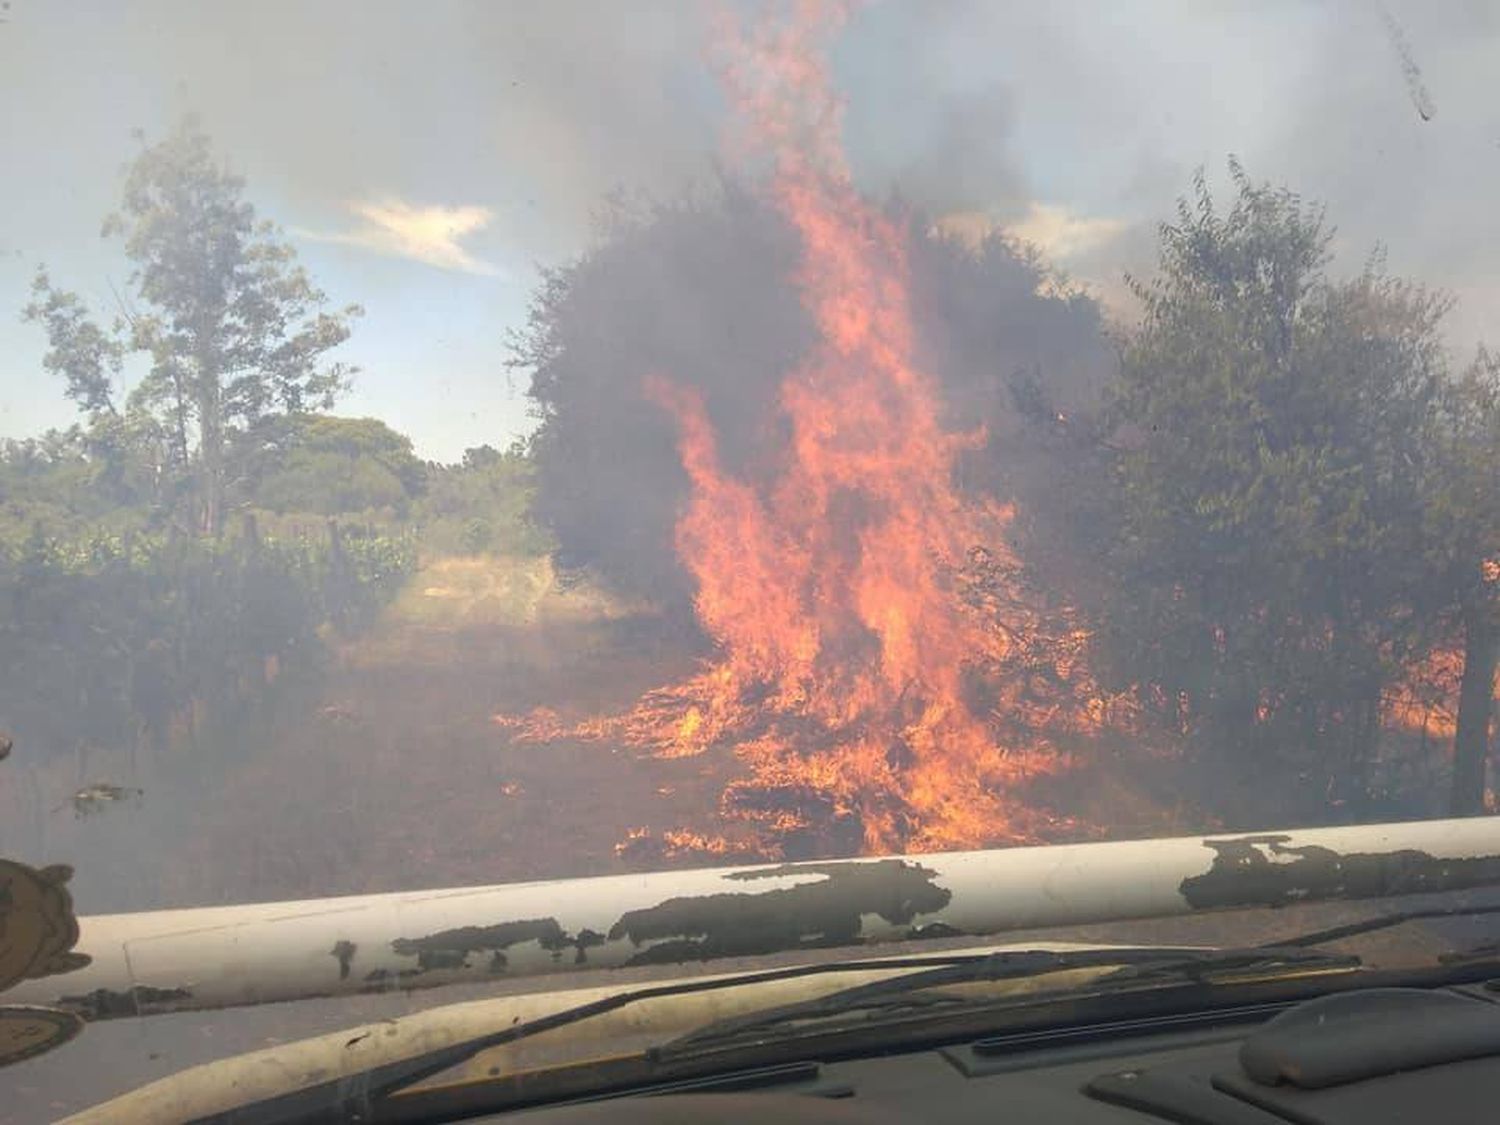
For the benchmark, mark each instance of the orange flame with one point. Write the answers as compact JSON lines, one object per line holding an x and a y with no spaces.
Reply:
{"x":877,"y":660}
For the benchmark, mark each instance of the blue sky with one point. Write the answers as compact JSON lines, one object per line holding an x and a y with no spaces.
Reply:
{"x":425,"y":159}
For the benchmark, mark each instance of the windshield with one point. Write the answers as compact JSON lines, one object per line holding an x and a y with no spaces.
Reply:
{"x":458,"y":445}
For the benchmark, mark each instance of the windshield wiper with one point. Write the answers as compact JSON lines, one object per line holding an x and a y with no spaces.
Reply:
{"x":907,"y":993}
{"x":351,"y":1096}
{"x":1282,"y":959}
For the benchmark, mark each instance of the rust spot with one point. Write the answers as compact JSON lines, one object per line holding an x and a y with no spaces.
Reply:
{"x":344,"y":951}
{"x":452,"y":949}
{"x":828,"y":912}
{"x":933,"y":930}
{"x":380,"y":978}
{"x":1266,"y":871}
{"x":107,"y":1003}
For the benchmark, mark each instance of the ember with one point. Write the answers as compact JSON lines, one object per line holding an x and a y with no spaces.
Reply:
{"x":883,"y":671}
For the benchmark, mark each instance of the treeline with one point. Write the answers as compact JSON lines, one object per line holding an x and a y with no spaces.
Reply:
{"x":117,"y":631}
{"x":357,"y":470}
{"x":1273,"y":496}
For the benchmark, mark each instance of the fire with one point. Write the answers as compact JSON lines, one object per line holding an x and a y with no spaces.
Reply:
{"x":1425,"y":700}
{"x":880,"y":663}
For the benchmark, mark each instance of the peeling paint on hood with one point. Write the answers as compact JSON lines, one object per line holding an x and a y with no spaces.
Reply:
{"x":256,"y":953}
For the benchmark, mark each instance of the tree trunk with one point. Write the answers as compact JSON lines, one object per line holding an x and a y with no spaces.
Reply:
{"x":211,"y":455}
{"x":1471,"y":741}
{"x":210,"y":440}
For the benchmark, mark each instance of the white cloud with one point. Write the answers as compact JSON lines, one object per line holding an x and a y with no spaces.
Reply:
{"x":1060,"y":233}
{"x":424,"y":234}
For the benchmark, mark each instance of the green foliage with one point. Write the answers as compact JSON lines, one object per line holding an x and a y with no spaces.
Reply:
{"x":335,"y":466}
{"x":1463,"y":555}
{"x":359,"y":572}
{"x":1463,"y":511}
{"x":128,"y":606}
{"x":108,"y":637}
{"x":233,"y":330}
{"x":86,"y":357}
{"x":481,"y":506}
{"x":1278,"y":429}
{"x":52,"y":481}
{"x":477,"y":535}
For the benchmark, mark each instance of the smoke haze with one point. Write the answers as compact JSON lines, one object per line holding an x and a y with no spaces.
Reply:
{"x":430,"y":163}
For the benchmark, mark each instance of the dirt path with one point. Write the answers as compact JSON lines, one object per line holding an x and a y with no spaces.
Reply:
{"x":400,"y":777}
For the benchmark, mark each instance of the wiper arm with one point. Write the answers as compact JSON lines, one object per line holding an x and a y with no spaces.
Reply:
{"x":1137,"y":967}
{"x":1385,"y":922}
{"x":349,"y":1097}
{"x":1282,"y":958}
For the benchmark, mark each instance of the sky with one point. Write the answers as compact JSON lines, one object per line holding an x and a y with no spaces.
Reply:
{"x":426,"y":160}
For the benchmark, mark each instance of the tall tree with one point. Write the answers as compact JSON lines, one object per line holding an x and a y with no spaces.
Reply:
{"x":232,"y":328}
{"x":1279,"y":428}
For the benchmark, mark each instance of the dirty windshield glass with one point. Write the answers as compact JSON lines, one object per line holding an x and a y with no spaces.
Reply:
{"x":459,"y":445}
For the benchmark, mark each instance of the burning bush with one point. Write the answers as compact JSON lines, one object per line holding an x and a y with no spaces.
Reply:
{"x":877,"y":664}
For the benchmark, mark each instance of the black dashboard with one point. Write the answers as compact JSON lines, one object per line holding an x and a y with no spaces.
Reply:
{"x":1368,"y":1057}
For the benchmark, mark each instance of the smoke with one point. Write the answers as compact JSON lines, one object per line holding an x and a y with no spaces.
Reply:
{"x":1052,"y":121}
{"x":537,"y":111}
{"x":992,"y":111}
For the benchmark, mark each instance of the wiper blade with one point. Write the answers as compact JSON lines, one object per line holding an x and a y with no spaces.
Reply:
{"x":1282,"y":959}
{"x":349,"y":1097}
{"x":1385,"y":922}
{"x":1137,"y":967}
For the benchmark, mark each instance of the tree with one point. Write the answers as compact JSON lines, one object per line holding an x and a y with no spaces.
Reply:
{"x":233,"y":329}
{"x":701,"y":291}
{"x":1279,"y":455}
{"x":482,"y":505}
{"x":695,"y":290}
{"x":333,"y":465}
